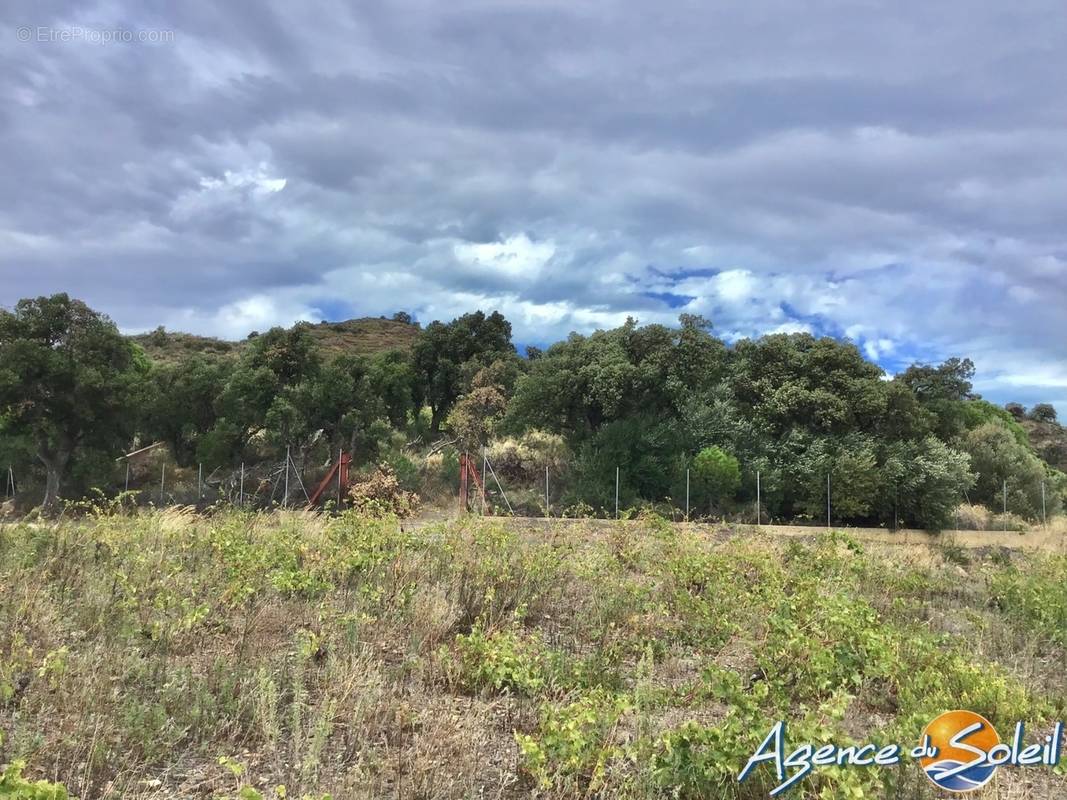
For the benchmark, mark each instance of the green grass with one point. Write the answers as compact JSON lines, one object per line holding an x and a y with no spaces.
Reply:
{"x":170,"y":655}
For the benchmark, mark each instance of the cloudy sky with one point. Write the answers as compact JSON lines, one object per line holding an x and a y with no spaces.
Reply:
{"x":893,"y":172}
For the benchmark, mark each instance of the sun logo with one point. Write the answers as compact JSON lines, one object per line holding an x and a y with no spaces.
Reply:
{"x":957,"y":751}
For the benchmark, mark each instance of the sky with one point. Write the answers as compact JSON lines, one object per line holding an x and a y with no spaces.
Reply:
{"x":890,"y":172}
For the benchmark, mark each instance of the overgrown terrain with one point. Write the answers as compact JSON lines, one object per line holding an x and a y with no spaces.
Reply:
{"x":365,"y":336}
{"x":173,"y":655}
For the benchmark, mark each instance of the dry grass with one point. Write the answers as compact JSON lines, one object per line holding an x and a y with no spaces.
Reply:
{"x":344,"y":656}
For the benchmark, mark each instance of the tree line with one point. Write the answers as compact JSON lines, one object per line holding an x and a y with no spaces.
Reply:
{"x":671,"y":408}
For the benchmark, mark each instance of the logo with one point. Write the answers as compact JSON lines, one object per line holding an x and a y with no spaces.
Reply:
{"x":959,"y":752}
{"x":961,"y":742}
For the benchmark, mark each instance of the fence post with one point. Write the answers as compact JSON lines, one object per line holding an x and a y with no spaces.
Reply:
{"x":1004,"y":525}
{"x":687,"y":494}
{"x":162,"y":481}
{"x":616,"y":492}
{"x":285,"y":499}
{"x":827,"y":499}
{"x":340,"y":455}
{"x":548,"y":511}
{"x":485,"y":460}
{"x":200,"y":481}
{"x":127,"y":476}
{"x":757,"y":500}
{"x":241,"y":491}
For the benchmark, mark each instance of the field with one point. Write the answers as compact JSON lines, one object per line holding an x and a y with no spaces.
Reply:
{"x":170,"y":655}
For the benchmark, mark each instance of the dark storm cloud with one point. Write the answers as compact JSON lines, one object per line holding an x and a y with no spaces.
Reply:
{"x":893,"y":172}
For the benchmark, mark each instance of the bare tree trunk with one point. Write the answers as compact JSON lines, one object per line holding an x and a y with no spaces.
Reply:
{"x":54,"y":464}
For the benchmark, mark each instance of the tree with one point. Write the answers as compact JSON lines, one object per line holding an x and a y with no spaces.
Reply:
{"x":179,"y":407}
{"x":943,"y":390}
{"x":787,"y":381}
{"x":441,"y":351}
{"x":1043,"y":412}
{"x":923,"y":482}
{"x":68,"y":380}
{"x":1017,"y":410}
{"x":393,"y":380}
{"x":259,"y":392}
{"x":644,"y":451}
{"x":478,"y":411}
{"x":999,"y":460}
{"x":716,"y":476}
{"x":585,"y":382}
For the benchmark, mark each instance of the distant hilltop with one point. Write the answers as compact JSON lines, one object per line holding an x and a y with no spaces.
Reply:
{"x":364,"y":336}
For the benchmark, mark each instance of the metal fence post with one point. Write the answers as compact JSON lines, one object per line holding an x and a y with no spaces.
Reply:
{"x":200,"y":481}
{"x":616,"y":492}
{"x":757,"y":499}
{"x":340,"y":455}
{"x":687,"y":494}
{"x":162,"y":481}
{"x":1004,"y":525}
{"x":127,"y":476}
{"x":827,"y":499}
{"x":1044,"y":519}
{"x":241,"y":491}
{"x":548,"y":512}
{"x":285,"y":499}
{"x":485,"y":460}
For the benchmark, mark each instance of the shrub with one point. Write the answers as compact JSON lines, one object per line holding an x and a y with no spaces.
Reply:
{"x":15,"y":787}
{"x":381,"y":493}
{"x":573,"y":743}
{"x":525,"y":457}
{"x":970,"y":517}
{"x":498,"y":661}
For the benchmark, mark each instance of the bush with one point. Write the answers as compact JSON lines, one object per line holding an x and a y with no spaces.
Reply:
{"x":524,"y":458}
{"x":971,"y":517}
{"x":15,"y":787}
{"x":381,"y":493}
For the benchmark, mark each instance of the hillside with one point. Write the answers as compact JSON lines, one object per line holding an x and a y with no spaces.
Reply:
{"x":364,"y":336}
{"x":1049,"y":440}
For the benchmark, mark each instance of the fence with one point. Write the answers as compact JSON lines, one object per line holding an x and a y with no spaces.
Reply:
{"x":282,"y":484}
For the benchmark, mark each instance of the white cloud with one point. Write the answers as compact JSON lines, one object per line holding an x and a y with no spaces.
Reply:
{"x":516,"y":256}
{"x":235,"y":320}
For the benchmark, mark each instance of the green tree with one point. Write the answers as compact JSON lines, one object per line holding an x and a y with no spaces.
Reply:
{"x":478,"y":412}
{"x":796,"y":381}
{"x":580,"y":384}
{"x":1043,"y":412}
{"x":999,"y":459}
{"x":441,"y":352}
{"x":179,"y":407}
{"x":642,"y":448}
{"x":923,"y":482}
{"x":716,"y":477}
{"x":262,"y":393}
{"x":392,"y":379}
{"x":943,"y":390}
{"x":68,"y":381}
